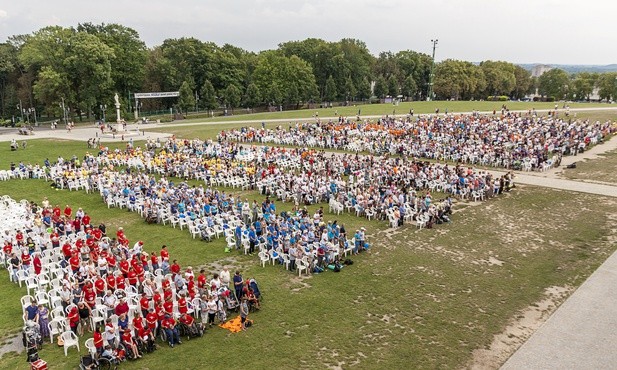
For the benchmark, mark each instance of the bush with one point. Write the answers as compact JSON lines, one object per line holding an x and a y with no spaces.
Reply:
{"x":497,"y":98}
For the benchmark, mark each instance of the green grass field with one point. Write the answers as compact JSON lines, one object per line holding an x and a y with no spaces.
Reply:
{"x":426,"y":299}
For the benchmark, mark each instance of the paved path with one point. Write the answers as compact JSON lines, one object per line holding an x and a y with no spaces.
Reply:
{"x":582,"y":333}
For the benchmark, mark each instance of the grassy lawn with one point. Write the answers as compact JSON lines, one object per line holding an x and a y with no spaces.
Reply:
{"x":39,"y":149}
{"x":599,"y":169}
{"x":425,"y":297}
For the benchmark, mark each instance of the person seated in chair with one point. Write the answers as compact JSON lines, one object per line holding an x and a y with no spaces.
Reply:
{"x":171,"y":331}
{"x":129,"y":342}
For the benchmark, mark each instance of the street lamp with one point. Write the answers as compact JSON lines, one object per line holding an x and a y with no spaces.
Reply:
{"x":432,"y":74}
{"x":103,"y":109}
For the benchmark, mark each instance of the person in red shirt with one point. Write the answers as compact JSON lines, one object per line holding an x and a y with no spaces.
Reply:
{"x":169,"y":325}
{"x":37,"y":263}
{"x":202,"y":281}
{"x":154,"y":261}
{"x":76,"y":224}
{"x":145,"y":334}
{"x":86,"y":220}
{"x":73,"y":319}
{"x":140,"y":272}
{"x":120,"y":284}
{"x":182,"y":305}
{"x":187,"y":320}
{"x":135,"y":261}
{"x":157,"y":298}
{"x":98,"y":341}
{"x":74,"y":262}
{"x":152,"y":319}
{"x":175,"y":268}
{"x":122,"y":307}
{"x":168,"y":306}
{"x":19,"y":237}
{"x":111,"y":282}
{"x":97,"y":234}
{"x":168,"y":294}
{"x":25,"y":259}
{"x":68,"y":211}
{"x":124,"y":267}
{"x":190,"y":286}
{"x":164,"y":253}
{"x":144,"y":304}
{"x":111,"y":261}
{"x":90,"y":298}
{"x":8,"y":248}
{"x":144,"y":259}
{"x":132,"y":277}
{"x":138,"y":321}
{"x":100,"y":286}
{"x":66,"y":250}
{"x":127,"y":338}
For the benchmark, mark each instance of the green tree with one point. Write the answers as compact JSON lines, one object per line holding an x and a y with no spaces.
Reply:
{"x":500,"y":77}
{"x":409,"y":88}
{"x":393,"y":87}
{"x":252,"y":96}
{"x":330,"y":92}
{"x":208,"y":96}
{"x":232,"y":97}
{"x":553,"y":83}
{"x":350,"y":89}
{"x":607,"y":86}
{"x":584,"y":83}
{"x":381,"y":87}
{"x":364,"y":89}
{"x":456,"y":79}
{"x":186,"y":100}
{"x":128,"y":67}
{"x":524,"y":83}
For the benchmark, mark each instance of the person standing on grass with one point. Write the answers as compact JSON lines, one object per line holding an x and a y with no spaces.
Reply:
{"x":244,"y":312}
{"x":238,"y":284}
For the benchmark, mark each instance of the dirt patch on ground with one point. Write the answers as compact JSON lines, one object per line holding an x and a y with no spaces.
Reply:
{"x":13,"y":344}
{"x":520,"y":329}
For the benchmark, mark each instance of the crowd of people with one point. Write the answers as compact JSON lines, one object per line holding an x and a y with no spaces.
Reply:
{"x":510,"y":140}
{"x":84,"y":280}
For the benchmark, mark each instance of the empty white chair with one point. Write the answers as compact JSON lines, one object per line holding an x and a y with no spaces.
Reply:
{"x":90,"y":346}
{"x":70,"y":340}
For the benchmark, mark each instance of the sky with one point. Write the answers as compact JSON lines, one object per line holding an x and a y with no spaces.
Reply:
{"x":518,"y":31}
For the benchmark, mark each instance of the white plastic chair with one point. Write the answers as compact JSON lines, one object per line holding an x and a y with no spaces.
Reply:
{"x":56,"y":327}
{"x":90,"y":346}
{"x":70,"y":340}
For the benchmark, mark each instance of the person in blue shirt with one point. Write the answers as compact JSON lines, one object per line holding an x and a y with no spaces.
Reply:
{"x":258,"y":229}
{"x":238,"y":234}
{"x":252,"y":240}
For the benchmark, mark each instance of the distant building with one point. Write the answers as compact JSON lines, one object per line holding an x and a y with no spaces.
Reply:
{"x":540,"y":69}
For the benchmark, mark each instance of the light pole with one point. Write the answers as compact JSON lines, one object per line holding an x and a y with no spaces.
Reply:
{"x":63,"y":111}
{"x":33,"y":111}
{"x":432,"y":74}
{"x":21,"y":111}
{"x":103,"y":109}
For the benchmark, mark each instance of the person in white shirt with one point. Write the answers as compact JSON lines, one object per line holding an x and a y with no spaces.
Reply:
{"x":225,"y":277}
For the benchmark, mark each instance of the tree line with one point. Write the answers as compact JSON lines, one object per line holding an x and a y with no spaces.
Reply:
{"x":81,"y":68}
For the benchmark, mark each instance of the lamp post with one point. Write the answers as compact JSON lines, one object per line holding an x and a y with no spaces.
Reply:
{"x":21,"y":111}
{"x":103,"y":109}
{"x":27,"y":113}
{"x":33,"y":111}
{"x":432,"y":74}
